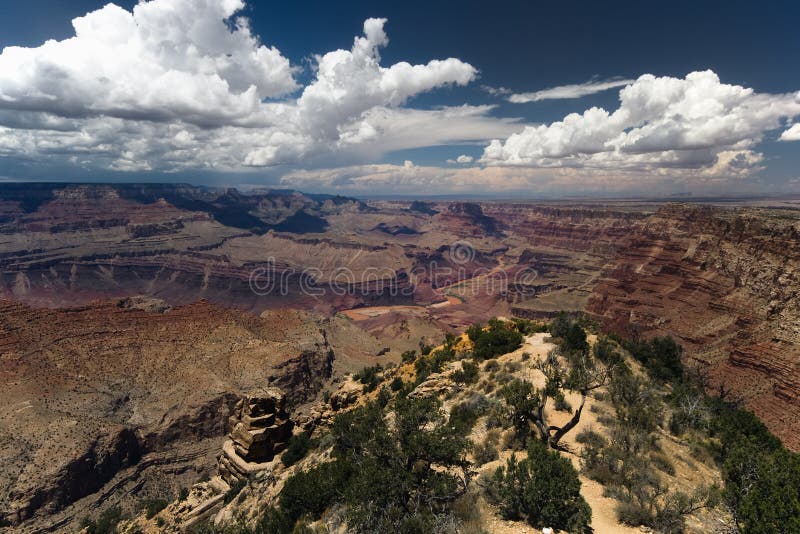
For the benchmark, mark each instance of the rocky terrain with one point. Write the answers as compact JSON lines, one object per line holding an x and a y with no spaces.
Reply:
{"x":117,"y":372}
{"x":245,"y":486}
{"x":100,"y":401}
{"x":725,"y":283}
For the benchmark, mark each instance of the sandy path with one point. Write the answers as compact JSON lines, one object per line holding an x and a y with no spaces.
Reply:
{"x":604,"y":516}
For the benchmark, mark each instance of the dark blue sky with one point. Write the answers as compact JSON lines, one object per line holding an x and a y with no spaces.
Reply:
{"x":522,"y":46}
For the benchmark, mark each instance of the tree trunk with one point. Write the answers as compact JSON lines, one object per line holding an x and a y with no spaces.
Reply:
{"x":576,"y":417}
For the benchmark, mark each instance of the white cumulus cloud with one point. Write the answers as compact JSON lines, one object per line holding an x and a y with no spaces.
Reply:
{"x":185,"y":84}
{"x":792,"y":134}
{"x":463,"y":159}
{"x":662,"y":122}
{"x":167,"y":59}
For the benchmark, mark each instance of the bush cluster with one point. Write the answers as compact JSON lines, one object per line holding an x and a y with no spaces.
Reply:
{"x":543,"y":489}
{"x":370,"y":377}
{"x":296,"y":449}
{"x":496,"y":338}
{"x":390,"y":478}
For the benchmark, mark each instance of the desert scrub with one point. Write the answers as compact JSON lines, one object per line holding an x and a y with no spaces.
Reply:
{"x":297,"y":448}
{"x":468,"y":374}
{"x":543,"y":489}
{"x":491,"y":366}
{"x":486,"y":451}
{"x":370,"y":377}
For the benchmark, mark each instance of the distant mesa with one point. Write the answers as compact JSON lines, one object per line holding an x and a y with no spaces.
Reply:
{"x":422,"y":207}
{"x":472,"y":215}
{"x":302,"y":223}
{"x":395,"y":229}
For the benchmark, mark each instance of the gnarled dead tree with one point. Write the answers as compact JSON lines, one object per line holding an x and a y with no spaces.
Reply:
{"x":576,"y":371}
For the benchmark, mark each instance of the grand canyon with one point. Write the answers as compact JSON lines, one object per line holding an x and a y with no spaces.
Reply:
{"x":399,"y":267}
{"x":134,"y":317}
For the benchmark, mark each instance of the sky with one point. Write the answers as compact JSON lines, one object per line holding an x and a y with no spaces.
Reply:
{"x":512,"y":99}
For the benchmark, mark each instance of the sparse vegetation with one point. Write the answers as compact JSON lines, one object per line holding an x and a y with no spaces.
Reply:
{"x":234,"y":490}
{"x":572,"y":368}
{"x":370,"y":377}
{"x":391,"y":478}
{"x":486,"y":450}
{"x":106,"y":522}
{"x":152,"y":506}
{"x":408,"y":356}
{"x":468,"y":374}
{"x":396,"y":384}
{"x":400,"y":464}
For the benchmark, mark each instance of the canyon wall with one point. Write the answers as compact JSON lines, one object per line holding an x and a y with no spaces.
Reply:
{"x":726,"y":284}
{"x":99,"y":402}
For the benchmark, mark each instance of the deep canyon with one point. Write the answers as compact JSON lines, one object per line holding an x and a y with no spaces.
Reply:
{"x":135,"y":316}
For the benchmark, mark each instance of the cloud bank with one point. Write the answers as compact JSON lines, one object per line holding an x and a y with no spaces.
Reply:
{"x":662,"y":123}
{"x":184,"y":84}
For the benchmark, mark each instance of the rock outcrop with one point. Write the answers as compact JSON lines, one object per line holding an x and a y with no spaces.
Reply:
{"x":260,"y":429}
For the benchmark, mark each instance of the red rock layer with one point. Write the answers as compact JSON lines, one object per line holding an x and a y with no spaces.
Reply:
{"x":726,"y":283}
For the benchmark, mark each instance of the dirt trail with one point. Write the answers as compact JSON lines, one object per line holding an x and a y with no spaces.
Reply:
{"x":604,"y":517}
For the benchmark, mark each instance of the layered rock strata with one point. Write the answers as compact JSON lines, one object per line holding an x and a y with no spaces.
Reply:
{"x":260,"y":429}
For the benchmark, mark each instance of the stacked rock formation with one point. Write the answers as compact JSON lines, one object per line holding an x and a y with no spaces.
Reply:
{"x":260,"y":430}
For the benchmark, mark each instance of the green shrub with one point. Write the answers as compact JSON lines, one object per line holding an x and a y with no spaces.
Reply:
{"x":396,"y":384}
{"x":106,"y":522}
{"x":605,"y":350}
{"x":152,"y":506}
{"x":432,"y":362}
{"x":543,"y":489}
{"x":561,"y":404}
{"x":763,"y":488}
{"x":496,"y":339}
{"x":275,"y":521}
{"x":662,"y":463}
{"x":409,"y":356}
{"x":588,"y":436}
{"x":522,"y":399}
{"x":491,"y":366}
{"x":575,"y":339}
{"x":486,"y":450}
{"x":560,"y":325}
{"x":468,"y":374}
{"x":383,"y":397}
{"x":296,"y":449}
{"x":370,"y":377}
{"x":660,"y":355}
{"x":312,"y":491}
{"x":497,"y":416}
{"x":464,"y":415}
{"x":395,"y":482}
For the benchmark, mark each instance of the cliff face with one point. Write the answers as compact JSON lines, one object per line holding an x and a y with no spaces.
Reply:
{"x":726,"y":283}
{"x":67,"y":244}
{"x":100,"y":401}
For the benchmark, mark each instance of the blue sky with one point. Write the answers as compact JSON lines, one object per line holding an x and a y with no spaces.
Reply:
{"x":519,"y":47}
